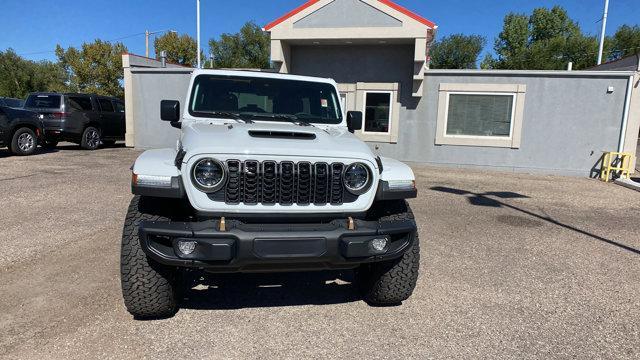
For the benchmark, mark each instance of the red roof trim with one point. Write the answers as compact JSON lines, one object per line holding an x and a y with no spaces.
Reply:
{"x":408,"y":12}
{"x":389,"y":3}
{"x":293,"y":12}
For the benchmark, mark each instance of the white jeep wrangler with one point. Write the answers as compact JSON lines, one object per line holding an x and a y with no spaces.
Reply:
{"x":266,"y":176}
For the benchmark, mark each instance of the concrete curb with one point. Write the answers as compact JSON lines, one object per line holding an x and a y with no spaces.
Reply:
{"x":628,"y":184}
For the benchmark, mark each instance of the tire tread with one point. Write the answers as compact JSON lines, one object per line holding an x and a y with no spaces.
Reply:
{"x":147,"y":286}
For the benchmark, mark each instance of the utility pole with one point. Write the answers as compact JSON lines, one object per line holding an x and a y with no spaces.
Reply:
{"x":146,"y":43}
{"x":147,"y":34}
{"x":603,"y":31}
{"x":198,"y":31}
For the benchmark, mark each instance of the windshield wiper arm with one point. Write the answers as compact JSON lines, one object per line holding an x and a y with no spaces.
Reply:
{"x":228,"y":114}
{"x":289,"y":117}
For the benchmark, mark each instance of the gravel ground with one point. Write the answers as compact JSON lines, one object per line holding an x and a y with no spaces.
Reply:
{"x":513,"y":266}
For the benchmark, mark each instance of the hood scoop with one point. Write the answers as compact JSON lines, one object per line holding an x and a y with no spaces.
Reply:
{"x":279,"y":134}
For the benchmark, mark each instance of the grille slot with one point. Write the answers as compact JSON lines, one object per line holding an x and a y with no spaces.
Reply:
{"x":337,"y":189}
{"x":251,"y":177}
{"x":285,"y":183}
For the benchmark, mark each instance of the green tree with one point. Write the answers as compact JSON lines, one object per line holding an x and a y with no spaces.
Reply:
{"x":94,"y":68}
{"x":457,"y":51}
{"x":547,"y":39}
{"x":512,"y":42}
{"x":625,"y":42}
{"x":19,"y":77}
{"x":180,"y":49}
{"x":249,"y":48}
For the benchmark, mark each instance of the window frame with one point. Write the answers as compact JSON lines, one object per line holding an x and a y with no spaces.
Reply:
{"x":517,"y":91}
{"x":356,"y":102}
{"x":514,"y":96}
{"x":364,"y":112}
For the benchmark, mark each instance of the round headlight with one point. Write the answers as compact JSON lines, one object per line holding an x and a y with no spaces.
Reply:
{"x":208,"y":175}
{"x":357,"y":178}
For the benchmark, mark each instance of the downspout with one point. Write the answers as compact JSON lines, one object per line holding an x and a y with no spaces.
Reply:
{"x":625,"y":114}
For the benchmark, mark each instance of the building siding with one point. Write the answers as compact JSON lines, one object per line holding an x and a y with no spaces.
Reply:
{"x":342,"y":13}
{"x":568,"y":123}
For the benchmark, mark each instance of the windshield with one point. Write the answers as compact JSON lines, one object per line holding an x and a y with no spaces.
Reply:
{"x":43,"y":101}
{"x":264,"y":99}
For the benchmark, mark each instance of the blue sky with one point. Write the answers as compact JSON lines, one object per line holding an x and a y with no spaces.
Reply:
{"x":34,"y":27}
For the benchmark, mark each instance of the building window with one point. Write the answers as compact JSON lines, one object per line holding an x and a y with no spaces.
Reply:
{"x":480,"y":114}
{"x":377,"y":112}
{"x":472,"y":114}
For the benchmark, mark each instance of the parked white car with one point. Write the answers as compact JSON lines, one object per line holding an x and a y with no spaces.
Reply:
{"x":267,"y":176}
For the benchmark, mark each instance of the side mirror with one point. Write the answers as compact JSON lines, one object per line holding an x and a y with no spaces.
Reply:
{"x":354,"y":120}
{"x":170,"y":110}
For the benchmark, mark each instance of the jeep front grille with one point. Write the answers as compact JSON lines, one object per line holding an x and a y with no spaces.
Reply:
{"x":285,"y":183}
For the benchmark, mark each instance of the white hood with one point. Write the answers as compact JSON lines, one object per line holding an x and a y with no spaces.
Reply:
{"x":236,"y":138}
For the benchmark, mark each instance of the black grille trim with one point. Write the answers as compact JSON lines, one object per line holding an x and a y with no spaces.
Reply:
{"x":285,"y":183}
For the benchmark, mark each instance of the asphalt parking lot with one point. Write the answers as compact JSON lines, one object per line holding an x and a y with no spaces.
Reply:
{"x":513,"y":266}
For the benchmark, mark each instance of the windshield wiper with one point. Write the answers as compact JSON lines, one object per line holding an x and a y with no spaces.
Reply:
{"x":227,"y":114}
{"x":288,"y":117}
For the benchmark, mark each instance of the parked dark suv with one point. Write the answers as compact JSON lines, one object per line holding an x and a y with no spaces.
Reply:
{"x":88,"y":120}
{"x":20,"y":130}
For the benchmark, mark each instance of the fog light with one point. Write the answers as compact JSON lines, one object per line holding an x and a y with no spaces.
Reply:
{"x":379,"y":245}
{"x":186,"y":247}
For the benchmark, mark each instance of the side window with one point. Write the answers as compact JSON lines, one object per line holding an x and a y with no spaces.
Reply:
{"x":119,"y":106}
{"x":105,"y":105}
{"x":80,"y":103}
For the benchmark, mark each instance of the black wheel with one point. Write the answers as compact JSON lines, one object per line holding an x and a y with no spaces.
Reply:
{"x":391,"y":282}
{"x":90,"y":138}
{"x":24,"y":142}
{"x":108,"y":142}
{"x":148,"y":288}
{"x":50,"y":144}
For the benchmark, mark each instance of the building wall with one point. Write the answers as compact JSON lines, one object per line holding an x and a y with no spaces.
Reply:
{"x":359,"y":63}
{"x":568,"y":122}
{"x":149,"y":87}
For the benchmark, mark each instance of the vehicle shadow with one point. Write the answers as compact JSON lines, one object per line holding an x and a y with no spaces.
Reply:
{"x":238,"y":291}
{"x":488,"y":199}
{"x":5,"y":153}
{"x":72,"y":146}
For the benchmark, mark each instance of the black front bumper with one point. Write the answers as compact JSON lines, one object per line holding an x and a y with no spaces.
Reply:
{"x":246,"y":247}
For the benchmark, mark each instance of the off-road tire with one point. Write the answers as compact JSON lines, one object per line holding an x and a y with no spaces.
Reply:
{"x":148,"y":288}
{"x":391,"y":282}
{"x":24,"y":142}
{"x":88,"y":140}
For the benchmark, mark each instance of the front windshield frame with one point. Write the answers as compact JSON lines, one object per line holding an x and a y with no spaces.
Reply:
{"x":334,"y":104}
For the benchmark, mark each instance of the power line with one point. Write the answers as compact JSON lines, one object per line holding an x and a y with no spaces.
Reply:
{"x":53,"y":51}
